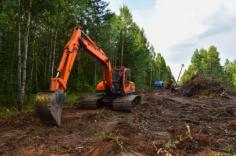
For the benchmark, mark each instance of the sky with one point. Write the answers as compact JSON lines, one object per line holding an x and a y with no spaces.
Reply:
{"x":177,"y":27}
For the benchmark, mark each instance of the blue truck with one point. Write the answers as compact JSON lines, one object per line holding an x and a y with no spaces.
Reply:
{"x":158,"y":84}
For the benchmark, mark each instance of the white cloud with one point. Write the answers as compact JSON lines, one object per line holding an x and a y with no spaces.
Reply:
{"x":115,"y":5}
{"x":177,"y":27}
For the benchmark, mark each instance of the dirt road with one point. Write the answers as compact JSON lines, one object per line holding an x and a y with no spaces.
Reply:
{"x":165,"y":123}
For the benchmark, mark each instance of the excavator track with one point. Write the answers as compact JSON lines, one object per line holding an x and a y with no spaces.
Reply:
{"x":90,"y":102}
{"x":126,"y":103}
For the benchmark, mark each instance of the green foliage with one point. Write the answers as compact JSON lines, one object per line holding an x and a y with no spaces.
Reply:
{"x":207,"y":62}
{"x":204,"y":62}
{"x":230,"y":72}
{"x":188,"y":74}
{"x":161,"y":70}
{"x":73,"y":98}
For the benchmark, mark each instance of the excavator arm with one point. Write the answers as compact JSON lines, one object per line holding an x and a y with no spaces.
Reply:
{"x":49,"y":105}
{"x":77,"y":40}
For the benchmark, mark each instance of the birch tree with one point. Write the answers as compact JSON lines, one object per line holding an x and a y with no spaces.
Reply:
{"x":19,"y":78}
{"x":24,"y":58}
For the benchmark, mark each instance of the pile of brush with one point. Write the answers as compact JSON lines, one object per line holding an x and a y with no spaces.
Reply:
{"x":201,"y":86}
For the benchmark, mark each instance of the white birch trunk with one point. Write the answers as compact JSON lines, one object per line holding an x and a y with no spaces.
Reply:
{"x":19,"y":66}
{"x":23,"y":84}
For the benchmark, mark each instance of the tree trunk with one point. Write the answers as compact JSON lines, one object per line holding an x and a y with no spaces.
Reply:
{"x":151,"y":76}
{"x":33,"y":64}
{"x":19,"y":66}
{"x":36,"y":71}
{"x":122,"y":48}
{"x":1,"y":36}
{"x":22,"y":92}
{"x":53,"y":54}
{"x":50,"y":53}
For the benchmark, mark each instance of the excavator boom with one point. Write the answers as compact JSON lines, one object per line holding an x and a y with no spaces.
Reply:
{"x":78,"y":39}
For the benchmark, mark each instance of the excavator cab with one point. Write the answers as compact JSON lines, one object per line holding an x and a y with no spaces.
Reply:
{"x":121,"y":84}
{"x":118,"y":81}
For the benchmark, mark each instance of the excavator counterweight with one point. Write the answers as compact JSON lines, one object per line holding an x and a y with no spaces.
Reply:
{"x":117,"y":89}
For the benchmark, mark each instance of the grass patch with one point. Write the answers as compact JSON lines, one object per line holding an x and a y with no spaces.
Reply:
{"x":72,"y":99}
{"x":8,"y":110}
{"x":231,"y":151}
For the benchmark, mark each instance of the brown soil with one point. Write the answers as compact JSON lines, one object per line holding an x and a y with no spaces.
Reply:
{"x":164,"y":124}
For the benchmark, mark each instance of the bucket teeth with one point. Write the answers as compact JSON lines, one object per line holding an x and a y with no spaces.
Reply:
{"x":49,"y":107}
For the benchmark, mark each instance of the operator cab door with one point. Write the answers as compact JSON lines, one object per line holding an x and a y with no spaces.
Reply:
{"x":127,"y":77}
{"x":118,"y":81}
{"x":127,"y":81}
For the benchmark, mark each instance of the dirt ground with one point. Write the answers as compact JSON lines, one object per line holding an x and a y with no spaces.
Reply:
{"x":164,"y":124}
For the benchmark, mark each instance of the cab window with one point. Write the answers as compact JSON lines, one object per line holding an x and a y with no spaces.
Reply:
{"x":117,"y":76}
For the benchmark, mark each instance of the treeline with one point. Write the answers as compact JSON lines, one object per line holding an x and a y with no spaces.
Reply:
{"x":33,"y":34}
{"x":207,"y":62}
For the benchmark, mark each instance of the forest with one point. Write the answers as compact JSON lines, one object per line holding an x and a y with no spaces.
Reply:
{"x":33,"y":34}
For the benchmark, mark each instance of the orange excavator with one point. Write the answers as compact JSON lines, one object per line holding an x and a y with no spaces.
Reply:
{"x":116,"y":89}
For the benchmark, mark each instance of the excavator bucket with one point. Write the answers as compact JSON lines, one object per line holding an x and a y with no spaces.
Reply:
{"x":49,"y":107}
